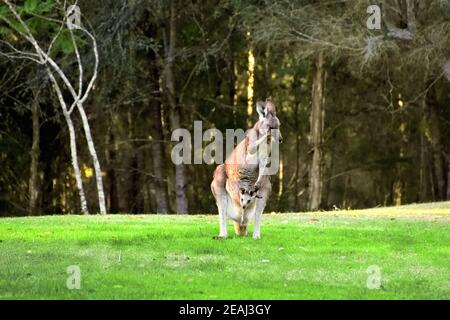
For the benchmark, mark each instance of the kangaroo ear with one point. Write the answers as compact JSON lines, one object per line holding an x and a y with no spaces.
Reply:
{"x":242,"y":190}
{"x":261,"y":109}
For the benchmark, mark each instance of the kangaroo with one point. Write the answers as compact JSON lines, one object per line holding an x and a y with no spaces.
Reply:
{"x":239,"y":185}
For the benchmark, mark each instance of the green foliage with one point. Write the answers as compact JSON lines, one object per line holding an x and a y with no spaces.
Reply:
{"x":38,"y":7}
{"x":64,"y":43}
{"x":4,"y":30}
{"x":8,"y":22}
{"x":30,"y":6}
{"x":39,"y":25}
{"x":4,"y":11}
{"x":45,"y":6}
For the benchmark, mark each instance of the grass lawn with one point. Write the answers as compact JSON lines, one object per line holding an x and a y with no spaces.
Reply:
{"x":300,"y":256}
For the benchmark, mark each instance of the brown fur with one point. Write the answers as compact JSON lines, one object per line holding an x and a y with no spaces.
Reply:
{"x":227,"y":176}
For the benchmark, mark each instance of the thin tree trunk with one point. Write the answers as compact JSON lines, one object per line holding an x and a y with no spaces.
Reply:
{"x":113,"y":203}
{"x":51,"y":144}
{"x":35,"y":151}
{"x":438,"y":160}
{"x":75,"y":165}
{"x":332,"y":201}
{"x":133,"y":189}
{"x":424,"y":185}
{"x":423,"y":173}
{"x":231,"y":81}
{"x":297,"y":170}
{"x":175,"y":113}
{"x":156,"y":129}
{"x":297,"y":86}
{"x":96,"y":163}
{"x":250,"y":86}
{"x":159,"y":168}
{"x":280,"y":180}
{"x":399,"y":186}
{"x":316,"y":134}
{"x":73,"y":145}
{"x":448,"y":180}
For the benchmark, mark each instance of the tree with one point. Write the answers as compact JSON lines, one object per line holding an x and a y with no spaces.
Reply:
{"x":149,"y":28}
{"x":382,"y":140}
{"x":35,"y":153}
{"x":43,"y":58}
{"x":175,"y":110}
{"x":317,"y":127}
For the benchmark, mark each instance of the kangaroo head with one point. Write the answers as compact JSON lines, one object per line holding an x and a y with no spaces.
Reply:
{"x":265,"y":108}
{"x":268,"y":119}
{"x":246,"y":196}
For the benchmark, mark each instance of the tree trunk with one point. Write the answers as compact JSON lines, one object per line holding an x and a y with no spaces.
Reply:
{"x":35,"y":151}
{"x":156,"y":129}
{"x":133,"y":189}
{"x":316,"y":134}
{"x":439,"y":164}
{"x":297,"y":166}
{"x":425,"y":185}
{"x":113,"y":201}
{"x":399,"y":185}
{"x":159,"y":168}
{"x":297,"y":177}
{"x":423,"y":172}
{"x":332,"y":201}
{"x":175,"y":112}
{"x":50,"y":158}
{"x":75,"y":165}
{"x":250,"y":86}
{"x":96,"y":163}
{"x":73,"y":145}
{"x":448,"y":179}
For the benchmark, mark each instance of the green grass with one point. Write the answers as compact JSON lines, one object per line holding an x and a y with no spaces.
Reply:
{"x":300,"y":256}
